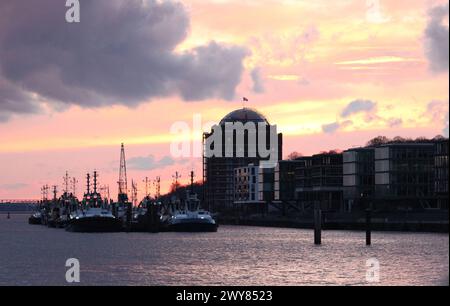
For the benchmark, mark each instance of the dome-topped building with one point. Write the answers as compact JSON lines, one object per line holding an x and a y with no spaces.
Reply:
{"x":218,"y":171}
{"x":244,"y":115}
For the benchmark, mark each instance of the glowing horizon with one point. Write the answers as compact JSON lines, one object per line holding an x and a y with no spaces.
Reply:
{"x":328,"y":75}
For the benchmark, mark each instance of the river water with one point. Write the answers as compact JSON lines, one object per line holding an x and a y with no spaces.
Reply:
{"x":235,"y":255}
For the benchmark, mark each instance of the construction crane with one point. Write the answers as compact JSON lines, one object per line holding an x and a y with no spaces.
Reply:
{"x":123,"y":191}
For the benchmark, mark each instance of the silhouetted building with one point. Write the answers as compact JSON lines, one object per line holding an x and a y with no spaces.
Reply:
{"x":218,"y":172}
{"x":266,"y":183}
{"x":319,"y":180}
{"x":441,"y":173}
{"x":285,"y":184}
{"x":404,"y":176}
{"x":358,"y":177}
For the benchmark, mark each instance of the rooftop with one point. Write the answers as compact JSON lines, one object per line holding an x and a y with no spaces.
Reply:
{"x":244,"y":115}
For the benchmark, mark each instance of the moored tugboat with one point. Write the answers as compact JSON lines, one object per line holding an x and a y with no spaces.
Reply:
{"x":94,"y":215}
{"x":192,"y":218}
{"x":35,"y":218}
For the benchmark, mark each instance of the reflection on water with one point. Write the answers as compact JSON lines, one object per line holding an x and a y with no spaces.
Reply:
{"x":36,"y":255}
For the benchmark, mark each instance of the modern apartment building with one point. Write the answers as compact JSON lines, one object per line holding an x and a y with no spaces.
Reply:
{"x":405,"y":176}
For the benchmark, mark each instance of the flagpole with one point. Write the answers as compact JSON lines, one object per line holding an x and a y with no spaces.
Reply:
{"x":244,"y":99}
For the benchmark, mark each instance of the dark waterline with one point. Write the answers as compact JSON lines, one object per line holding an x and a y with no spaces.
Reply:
{"x":235,"y":255}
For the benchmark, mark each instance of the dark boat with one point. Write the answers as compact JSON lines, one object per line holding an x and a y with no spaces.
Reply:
{"x":93,"y":216}
{"x":147,"y":216}
{"x":35,"y":218}
{"x":94,"y":220}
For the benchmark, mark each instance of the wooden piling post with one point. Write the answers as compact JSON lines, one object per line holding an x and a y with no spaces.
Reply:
{"x":317,"y":224}
{"x":368,"y":227}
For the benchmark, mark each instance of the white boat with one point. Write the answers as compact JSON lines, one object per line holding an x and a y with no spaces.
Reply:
{"x":192,"y":218}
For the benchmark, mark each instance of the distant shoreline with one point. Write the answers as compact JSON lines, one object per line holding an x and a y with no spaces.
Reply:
{"x":378,"y":224}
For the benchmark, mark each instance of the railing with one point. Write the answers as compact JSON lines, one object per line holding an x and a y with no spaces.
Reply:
{"x":19,"y":201}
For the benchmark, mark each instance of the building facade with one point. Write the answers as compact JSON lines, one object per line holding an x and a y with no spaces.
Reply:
{"x":441,"y":173}
{"x":246,"y":185}
{"x":319,"y":180}
{"x":358,"y":178}
{"x":219,"y":171}
{"x":404,"y":176}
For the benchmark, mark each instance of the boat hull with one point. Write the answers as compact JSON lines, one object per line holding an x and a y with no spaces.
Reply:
{"x":94,"y":225}
{"x":34,"y":220}
{"x":193,"y":226}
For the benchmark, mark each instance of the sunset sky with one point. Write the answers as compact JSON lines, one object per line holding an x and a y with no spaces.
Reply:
{"x":330,"y":74}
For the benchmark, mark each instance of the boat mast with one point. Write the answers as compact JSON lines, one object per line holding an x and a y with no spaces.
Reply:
{"x":192,"y":182}
{"x":147,"y":183}
{"x":95,"y":182}
{"x":54,"y":191}
{"x":74,"y":186}
{"x":88,"y":184}
{"x":157,"y":184}
{"x":134,"y":193}
{"x":66,"y":183}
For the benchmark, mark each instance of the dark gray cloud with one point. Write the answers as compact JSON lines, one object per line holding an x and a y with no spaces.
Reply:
{"x":437,"y":39}
{"x":358,"y":106}
{"x":258,"y":83}
{"x":122,"y":52}
{"x":149,"y":162}
{"x":14,"y":100}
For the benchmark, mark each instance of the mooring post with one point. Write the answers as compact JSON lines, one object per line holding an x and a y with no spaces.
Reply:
{"x":368,"y":226}
{"x":317,"y":224}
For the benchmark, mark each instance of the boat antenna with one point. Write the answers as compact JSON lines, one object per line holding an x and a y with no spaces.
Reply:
{"x":95,"y":181}
{"x":157,"y":184}
{"x":88,"y":183}
{"x":54,"y":191}
{"x":147,"y":183}
{"x":134,"y":191}
{"x":74,"y":186}
{"x":192,"y":182}
{"x":66,"y":182}
{"x":176,"y":176}
{"x":44,"y":190}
